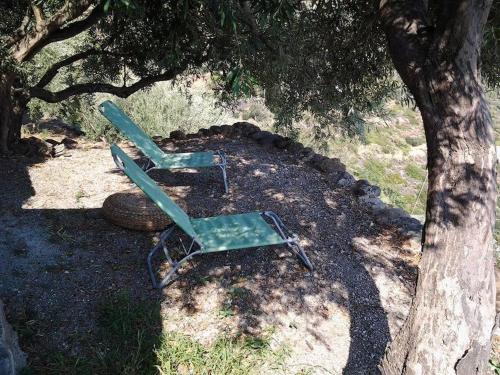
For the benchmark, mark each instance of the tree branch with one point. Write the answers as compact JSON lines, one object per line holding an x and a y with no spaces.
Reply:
{"x":74,"y":28}
{"x":407,"y":29}
{"x":37,"y":12}
{"x":248,"y":19}
{"x":459,"y":31}
{"x":53,"y":29}
{"x":54,"y":69}
{"x":90,"y":88}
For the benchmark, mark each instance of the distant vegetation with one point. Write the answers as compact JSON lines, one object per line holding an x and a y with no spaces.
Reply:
{"x":388,"y":149}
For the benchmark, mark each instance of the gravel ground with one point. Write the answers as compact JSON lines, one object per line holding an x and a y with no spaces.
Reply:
{"x":60,"y":257}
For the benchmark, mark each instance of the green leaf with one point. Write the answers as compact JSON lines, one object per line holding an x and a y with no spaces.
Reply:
{"x":107,"y":4}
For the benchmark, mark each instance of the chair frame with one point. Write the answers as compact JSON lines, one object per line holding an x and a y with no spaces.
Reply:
{"x":150,"y":165}
{"x":195,"y":248}
{"x":289,"y":238}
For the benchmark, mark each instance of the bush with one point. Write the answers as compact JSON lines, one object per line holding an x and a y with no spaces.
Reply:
{"x":158,"y":110}
{"x":415,"y":141}
{"x":258,"y":111}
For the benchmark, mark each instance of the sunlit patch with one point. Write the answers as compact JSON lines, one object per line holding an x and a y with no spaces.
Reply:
{"x":331,"y":203}
{"x":277,"y":196}
{"x":305,"y":242}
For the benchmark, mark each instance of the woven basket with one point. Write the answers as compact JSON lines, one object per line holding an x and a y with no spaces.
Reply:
{"x":132,"y":209}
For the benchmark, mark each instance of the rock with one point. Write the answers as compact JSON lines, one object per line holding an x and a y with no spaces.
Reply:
{"x":226,"y":130}
{"x":166,"y":141}
{"x":256,"y":135}
{"x":12,"y":359}
{"x":236,"y":131}
{"x":56,"y":126}
{"x":177,"y":134}
{"x":374,"y":203}
{"x":71,"y":143}
{"x":307,"y":151}
{"x":215,"y":129}
{"x":34,"y":146}
{"x":282,"y":142}
{"x":157,"y":138}
{"x":329,"y":165}
{"x":412,"y":242}
{"x":363,"y":187}
{"x":191,"y":135}
{"x":316,"y":160}
{"x":345,"y":180}
{"x":295,"y":147}
{"x":399,"y":218}
{"x":58,"y":150}
{"x":410,"y":225}
{"x":203,"y":132}
{"x":307,"y":154}
{"x":53,"y":142}
{"x":246,"y":129}
{"x":264,"y":138}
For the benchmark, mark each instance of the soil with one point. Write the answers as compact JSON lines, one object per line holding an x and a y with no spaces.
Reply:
{"x":60,"y":257}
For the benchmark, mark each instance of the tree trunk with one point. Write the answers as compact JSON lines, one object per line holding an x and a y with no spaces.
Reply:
{"x":11,"y":111}
{"x":449,"y":327}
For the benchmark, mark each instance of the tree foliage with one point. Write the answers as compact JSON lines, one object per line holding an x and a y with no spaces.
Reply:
{"x":293,"y":49}
{"x":325,"y":57}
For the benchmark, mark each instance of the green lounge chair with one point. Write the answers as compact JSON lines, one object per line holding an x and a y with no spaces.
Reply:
{"x":211,"y":234}
{"x":157,"y":159}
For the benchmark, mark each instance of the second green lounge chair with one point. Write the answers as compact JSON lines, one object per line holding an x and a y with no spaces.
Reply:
{"x":157,"y":159}
{"x":211,"y":234}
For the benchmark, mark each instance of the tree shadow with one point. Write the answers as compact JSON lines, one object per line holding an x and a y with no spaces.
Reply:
{"x":89,"y":260}
{"x":273,"y":281}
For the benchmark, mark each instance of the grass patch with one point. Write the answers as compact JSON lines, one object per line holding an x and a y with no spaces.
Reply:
{"x":391,"y":184}
{"x":80,"y":194}
{"x":130,"y":341}
{"x":379,"y":138}
{"x":241,"y":354}
{"x":415,"y":141}
{"x":415,"y":171}
{"x":495,"y":366}
{"x":379,"y":173}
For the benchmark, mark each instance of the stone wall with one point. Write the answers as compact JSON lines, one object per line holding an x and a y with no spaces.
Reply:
{"x":12,"y":359}
{"x":333,"y":169}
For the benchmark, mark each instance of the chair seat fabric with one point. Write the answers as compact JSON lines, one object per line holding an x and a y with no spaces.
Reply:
{"x":232,"y":232}
{"x":216,"y":233}
{"x":185,"y":160}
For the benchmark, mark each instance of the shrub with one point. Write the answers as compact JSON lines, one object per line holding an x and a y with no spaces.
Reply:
{"x":415,"y":141}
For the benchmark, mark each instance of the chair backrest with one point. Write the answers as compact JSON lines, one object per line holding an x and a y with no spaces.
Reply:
{"x":131,"y":130}
{"x":151,"y":189}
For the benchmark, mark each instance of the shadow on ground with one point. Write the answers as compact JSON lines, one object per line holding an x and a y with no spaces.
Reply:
{"x":62,"y":265}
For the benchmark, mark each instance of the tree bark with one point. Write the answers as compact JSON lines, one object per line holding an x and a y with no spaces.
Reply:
{"x":449,"y":326}
{"x":12,"y":107}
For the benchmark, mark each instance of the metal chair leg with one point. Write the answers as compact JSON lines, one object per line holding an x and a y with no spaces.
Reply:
{"x":299,"y":252}
{"x":175,"y":265}
{"x":291,"y":239}
{"x":224,"y":177}
{"x":171,"y":275}
{"x":222,"y":165}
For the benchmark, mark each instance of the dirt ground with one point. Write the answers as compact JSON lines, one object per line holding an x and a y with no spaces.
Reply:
{"x":59,"y":257}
